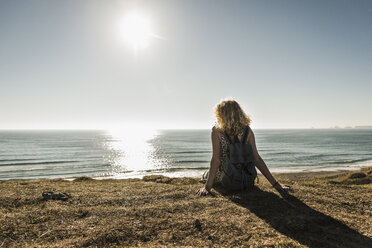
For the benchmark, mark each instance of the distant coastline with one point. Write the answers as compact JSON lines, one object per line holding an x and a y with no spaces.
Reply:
{"x":363,"y":127}
{"x":349,"y":127}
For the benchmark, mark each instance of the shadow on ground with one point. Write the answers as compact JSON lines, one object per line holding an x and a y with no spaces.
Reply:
{"x":293,"y":218}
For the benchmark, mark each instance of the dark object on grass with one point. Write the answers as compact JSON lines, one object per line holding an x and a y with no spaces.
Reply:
{"x":56,"y":196}
{"x":83,"y":178}
{"x":198,"y":224}
{"x":357,"y":175}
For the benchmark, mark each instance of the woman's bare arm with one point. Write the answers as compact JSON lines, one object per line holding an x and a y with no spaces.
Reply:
{"x":215,"y":163}
{"x":261,"y":165}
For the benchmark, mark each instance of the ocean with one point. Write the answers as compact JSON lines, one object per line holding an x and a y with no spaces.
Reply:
{"x":176,"y":153}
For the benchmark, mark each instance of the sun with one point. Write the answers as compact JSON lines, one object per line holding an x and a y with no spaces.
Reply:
{"x":136,"y":30}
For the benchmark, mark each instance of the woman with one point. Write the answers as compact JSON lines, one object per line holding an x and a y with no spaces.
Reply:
{"x":232,"y":120}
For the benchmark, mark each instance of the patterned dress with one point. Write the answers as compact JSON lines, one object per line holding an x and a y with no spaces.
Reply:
{"x":224,"y":149}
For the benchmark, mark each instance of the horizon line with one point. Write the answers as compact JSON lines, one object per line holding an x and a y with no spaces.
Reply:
{"x":192,"y":128}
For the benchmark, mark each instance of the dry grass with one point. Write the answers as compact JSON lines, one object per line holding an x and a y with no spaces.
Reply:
{"x":159,"y":211}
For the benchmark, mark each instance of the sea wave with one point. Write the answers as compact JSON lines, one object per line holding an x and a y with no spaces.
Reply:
{"x":41,"y":163}
{"x":192,"y":152}
{"x":190,"y":161}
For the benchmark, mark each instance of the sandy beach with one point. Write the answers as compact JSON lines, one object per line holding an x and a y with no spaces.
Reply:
{"x":328,"y":209}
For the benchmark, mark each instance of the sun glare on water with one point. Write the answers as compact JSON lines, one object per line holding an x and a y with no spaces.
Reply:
{"x":136,"y":30}
{"x":133,"y":151}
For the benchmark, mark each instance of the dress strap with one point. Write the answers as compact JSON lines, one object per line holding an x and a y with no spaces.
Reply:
{"x":245,"y":135}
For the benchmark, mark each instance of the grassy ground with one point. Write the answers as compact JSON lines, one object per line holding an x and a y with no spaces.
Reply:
{"x":332,"y":211}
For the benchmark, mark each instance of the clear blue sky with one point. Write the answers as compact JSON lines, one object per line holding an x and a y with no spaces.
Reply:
{"x":291,"y":64}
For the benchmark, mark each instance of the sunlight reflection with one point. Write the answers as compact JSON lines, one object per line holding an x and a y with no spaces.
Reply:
{"x":132,"y":151}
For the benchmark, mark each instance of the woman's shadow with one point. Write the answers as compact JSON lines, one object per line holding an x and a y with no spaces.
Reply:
{"x":293,"y":218}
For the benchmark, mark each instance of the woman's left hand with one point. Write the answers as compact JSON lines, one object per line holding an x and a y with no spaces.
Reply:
{"x":202,"y":192}
{"x":281,"y":188}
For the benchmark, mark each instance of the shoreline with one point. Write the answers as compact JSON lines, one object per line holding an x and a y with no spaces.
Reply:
{"x":292,"y":174}
{"x":288,"y":174}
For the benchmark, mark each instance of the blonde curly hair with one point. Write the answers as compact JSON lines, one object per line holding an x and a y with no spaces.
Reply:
{"x":230,"y":117}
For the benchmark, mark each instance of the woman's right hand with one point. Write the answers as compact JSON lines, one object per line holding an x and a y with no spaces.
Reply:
{"x":202,"y":192}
